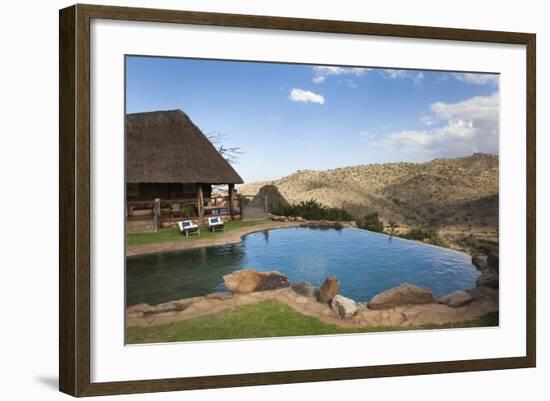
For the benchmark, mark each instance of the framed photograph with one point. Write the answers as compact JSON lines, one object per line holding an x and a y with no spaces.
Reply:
{"x":249,"y":200}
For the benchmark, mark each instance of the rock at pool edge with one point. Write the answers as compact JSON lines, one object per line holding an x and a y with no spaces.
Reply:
{"x":247,"y":280}
{"x":329,"y":289}
{"x":343,"y":307}
{"x":304,"y":288}
{"x":456,"y":299}
{"x":405,"y":294}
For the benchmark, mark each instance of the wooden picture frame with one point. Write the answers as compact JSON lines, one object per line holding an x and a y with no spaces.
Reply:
{"x":74,"y":204}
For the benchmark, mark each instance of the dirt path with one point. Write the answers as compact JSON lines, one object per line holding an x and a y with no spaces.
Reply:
{"x":231,"y":237}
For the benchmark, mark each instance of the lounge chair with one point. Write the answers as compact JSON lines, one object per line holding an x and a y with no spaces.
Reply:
{"x":215,"y":224}
{"x":188,"y":228}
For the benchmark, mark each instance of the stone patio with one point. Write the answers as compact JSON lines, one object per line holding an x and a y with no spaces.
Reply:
{"x":400,"y":316}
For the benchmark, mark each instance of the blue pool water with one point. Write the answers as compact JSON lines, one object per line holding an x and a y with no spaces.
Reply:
{"x":365,"y":263}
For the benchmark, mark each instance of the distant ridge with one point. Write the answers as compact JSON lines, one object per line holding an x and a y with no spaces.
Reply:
{"x":459,"y":192}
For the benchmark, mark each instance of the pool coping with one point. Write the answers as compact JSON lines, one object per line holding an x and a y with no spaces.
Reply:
{"x":236,"y":236}
{"x":395,"y":237}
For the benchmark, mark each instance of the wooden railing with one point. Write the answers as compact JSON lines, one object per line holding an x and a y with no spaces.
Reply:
{"x":255,"y":201}
{"x":171,"y":210}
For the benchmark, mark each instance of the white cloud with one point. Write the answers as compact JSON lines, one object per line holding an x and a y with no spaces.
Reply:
{"x":394,"y":74}
{"x":300,"y":95}
{"x":481,"y":108}
{"x":349,"y":82}
{"x":320,"y":73}
{"x":427,"y":120}
{"x":416,"y":77}
{"x":477,"y":79}
{"x":463,"y":128}
{"x":366,"y":136}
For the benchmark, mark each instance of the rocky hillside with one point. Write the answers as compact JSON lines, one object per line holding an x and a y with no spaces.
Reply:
{"x":447,"y":193}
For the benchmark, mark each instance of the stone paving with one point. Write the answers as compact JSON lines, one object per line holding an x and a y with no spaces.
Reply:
{"x":404,"y":316}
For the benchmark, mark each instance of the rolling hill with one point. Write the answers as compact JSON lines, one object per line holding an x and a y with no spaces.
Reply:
{"x":459,"y":194}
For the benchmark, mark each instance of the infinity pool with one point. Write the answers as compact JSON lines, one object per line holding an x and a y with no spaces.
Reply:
{"x":365,"y":263}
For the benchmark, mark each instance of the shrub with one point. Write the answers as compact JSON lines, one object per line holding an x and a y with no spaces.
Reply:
{"x":425,"y":234}
{"x":313,"y":210}
{"x":476,"y":245}
{"x":393,"y":228}
{"x":371,"y":222}
{"x":420,"y":234}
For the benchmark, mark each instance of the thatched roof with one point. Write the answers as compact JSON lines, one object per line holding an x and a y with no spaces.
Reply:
{"x":166,"y":147}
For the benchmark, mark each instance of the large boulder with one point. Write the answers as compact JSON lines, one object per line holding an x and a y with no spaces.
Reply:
{"x":480,"y":261}
{"x":482,"y":294}
{"x":405,"y":294}
{"x":343,"y":307}
{"x":488,"y":278}
{"x":456,"y":299}
{"x":304,"y":288}
{"x":275,"y":200}
{"x":492,"y":261}
{"x":329,"y":289}
{"x":247,"y":280}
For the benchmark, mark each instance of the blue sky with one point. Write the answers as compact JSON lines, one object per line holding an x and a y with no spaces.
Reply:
{"x":287,"y":117}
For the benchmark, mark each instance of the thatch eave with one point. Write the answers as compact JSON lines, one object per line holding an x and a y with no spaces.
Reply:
{"x":167,"y":147}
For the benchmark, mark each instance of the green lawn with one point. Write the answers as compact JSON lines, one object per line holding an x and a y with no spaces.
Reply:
{"x":173,"y":234}
{"x":262,"y":319}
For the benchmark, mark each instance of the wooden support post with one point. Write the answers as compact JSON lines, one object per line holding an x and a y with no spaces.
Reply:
{"x":241,"y":203}
{"x":156,"y":215}
{"x":200,"y":203}
{"x":231,"y":200}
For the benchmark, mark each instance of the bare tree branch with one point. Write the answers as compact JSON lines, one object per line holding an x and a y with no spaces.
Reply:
{"x":231,"y":154}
